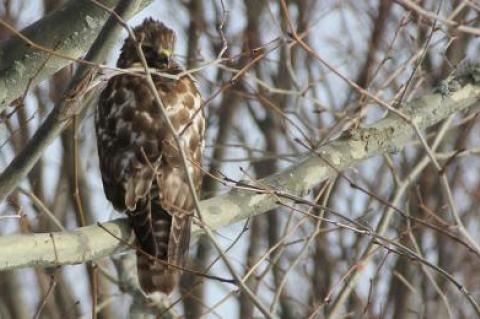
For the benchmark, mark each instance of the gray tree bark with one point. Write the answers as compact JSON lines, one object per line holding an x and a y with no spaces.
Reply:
{"x":69,"y":31}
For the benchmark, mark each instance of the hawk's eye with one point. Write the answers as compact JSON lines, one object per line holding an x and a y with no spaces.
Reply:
{"x":149,"y":53}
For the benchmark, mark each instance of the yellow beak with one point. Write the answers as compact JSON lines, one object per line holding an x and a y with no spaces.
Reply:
{"x":165,"y":52}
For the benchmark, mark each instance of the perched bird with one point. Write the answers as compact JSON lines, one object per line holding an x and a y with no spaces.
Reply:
{"x":142,"y":170}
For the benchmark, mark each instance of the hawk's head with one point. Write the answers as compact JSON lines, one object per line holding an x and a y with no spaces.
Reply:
{"x":157,"y":42}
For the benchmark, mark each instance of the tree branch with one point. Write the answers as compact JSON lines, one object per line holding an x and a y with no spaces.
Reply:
{"x":459,"y":92}
{"x":70,"y":31}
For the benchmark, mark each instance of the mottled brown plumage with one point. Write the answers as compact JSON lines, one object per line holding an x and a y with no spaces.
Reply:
{"x":141,"y":168}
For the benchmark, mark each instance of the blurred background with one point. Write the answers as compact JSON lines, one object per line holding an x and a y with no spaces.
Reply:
{"x":298,"y":263}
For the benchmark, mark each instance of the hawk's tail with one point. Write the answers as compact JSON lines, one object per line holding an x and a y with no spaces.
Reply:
{"x":152,"y":227}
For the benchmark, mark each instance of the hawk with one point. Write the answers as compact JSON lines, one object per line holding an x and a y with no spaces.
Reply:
{"x":142,"y":171}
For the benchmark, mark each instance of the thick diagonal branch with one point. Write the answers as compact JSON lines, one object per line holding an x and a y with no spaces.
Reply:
{"x":388,"y":134}
{"x":68,"y":31}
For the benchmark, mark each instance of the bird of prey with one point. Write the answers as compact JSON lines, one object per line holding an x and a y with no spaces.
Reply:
{"x":142,"y":171}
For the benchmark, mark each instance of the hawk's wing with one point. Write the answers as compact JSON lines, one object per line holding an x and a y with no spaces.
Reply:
{"x":128,"y":147}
